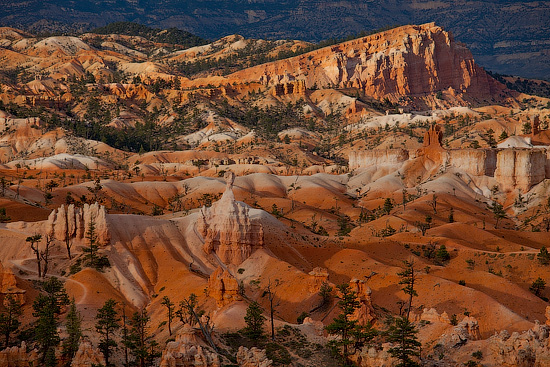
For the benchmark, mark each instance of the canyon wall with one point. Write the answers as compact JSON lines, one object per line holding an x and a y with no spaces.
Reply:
{"x":413,"y":60}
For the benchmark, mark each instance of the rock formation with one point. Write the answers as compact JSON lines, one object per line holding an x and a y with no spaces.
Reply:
{"x":87,"y":355}
{"x":527,"y":349}
{"x":520,"y":168}
{"x":297,"y":87}
{"x":431,"y":146}
{"x":9,"y":286}
{"x":365,"y":313}
{"x":318,"y":277}
{"x":73,"y":223}
{"x":186,"y":351}
{"x":405,"y":61}
{"x":227,"y":229}
{"x":252,"y":357}
{"x":467,"y":329}
{"x":223,"y":287}
{"x":18,"y":357}
{"x":366,"y":158}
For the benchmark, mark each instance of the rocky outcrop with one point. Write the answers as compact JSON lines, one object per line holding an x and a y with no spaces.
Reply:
{"x":72,"y":222}
{"x":527,"y":349}
{"x":373,"y":158}
{"x":227,"y":228}
{"x":467,"y":329}
{"x":406,"y":61}
{"x":431,"y":145}
{"x":223,"y":287}
{"x":87,"y":355}
{"x":18,"y":357}
{"x":252,"y":357}
{"x":8,"y":286}
{"x":297,"y":87}
{"x":520,"y":168}
{"x":476,"y":162}
{"x":364,"y":314}
{"x":374,"y":356}
{"x":186,"y":351}
{"x":318,"y":277}
{"x":432,"y":316}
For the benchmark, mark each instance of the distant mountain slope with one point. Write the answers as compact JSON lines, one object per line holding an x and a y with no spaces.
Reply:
{"x":511,"y":37}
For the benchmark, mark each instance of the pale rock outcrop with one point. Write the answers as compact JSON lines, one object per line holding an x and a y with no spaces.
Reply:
{"x":318,"y":277}
{"x":73,"y":223}
{"x":520,"y":168}
{"x":252,"y":357}
{"x":372,"y":158}
{"x":223,"y":287}
{"x":431,"y":145}
{"x":364,"y":314}
{"x":373,"y":356}
{"x":18,"y":356}
{"x":297,"y":87}
{"x":530,"y":348}
{"x":186,"y":351}
{"x":227,"y":228}
{"x":87,"y":355}
{"x":476,"y":162}
{"x":432,"y":316}
{"x":467,"y":329}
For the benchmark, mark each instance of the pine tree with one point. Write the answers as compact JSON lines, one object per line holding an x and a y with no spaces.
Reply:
{"x":9,"y":320}
{"x":543,"y":256}
{"x":170,"y":308}
{"x":107,"y":323}
{"x":254,"y":321}
{"x":74,"y":331}
{"x":408,"y":279}
{"x":141,"y":343}
{"x":47,"y":308}
{"x":92,"y":249}
{"x":33,"y":240}
{"x":350,"y":332}
{"x":403,"y":333}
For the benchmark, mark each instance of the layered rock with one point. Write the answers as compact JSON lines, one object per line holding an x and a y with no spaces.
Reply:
{"x":318,"y":277}
{"x":227,"y":228}
{"x":520,"y":168}
{"x":18,"y":357}
{"x":9,"y":286}
{"x":252,"y":357}
{"x":72,"y":222}
{"x":373,"y":158}
{"x":476,"y":162}
{"x":467,"y":329}
{"x":364,"y":314}
{"x":431,"y":145}
{"x":186,"y":351}
{"x":297,"y":87}
{"x":406,"y":61}
{"x":432,"y":316}
{"x":87,"y":355}
{"x":223,"y":287}
{"x":527,"y":349}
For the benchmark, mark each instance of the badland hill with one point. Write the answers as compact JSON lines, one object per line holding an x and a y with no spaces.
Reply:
{"x":180,"y":184}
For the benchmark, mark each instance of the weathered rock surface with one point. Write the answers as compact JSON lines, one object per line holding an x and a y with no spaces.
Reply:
{"x":372,"y":158}
{"x":73,"y":223}
{"x":365,"y":312}
{"x":410,"y":60}
{"x":373,"y":356}
{"x":476,"y":162}
{"x":87,"y":355}
{"x":318,"y":277}
{"x":252,"y":357}
{"x":9,"y":286}
{"x":18,"y":357}
{"x":522,"y":350}
{"x":467,"y":329}
{"x":431,"y":146}
{"x":227,"y":229}
{"x":520,"y":168}
{"x":186,"y":351}
{"x":223,"y":287}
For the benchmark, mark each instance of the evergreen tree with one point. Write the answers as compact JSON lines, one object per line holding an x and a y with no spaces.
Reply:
{"x":350,"y":332}
{"x":538,"y":286}
{"x":141,"y":343}
{"x":403,"y":333}
{"x":9,"y":319}
{"x":254,"y":321}
{"x":47,"y":308}
{"x":408,"y":279}
{"x":543,"y":256}
{"x":33,"y":240}
{"x":170,"y":308}
{"x":92,"y":249}
{"x":107,"y":323}
{"x":498,"y":212}
{"x":74,"y":331}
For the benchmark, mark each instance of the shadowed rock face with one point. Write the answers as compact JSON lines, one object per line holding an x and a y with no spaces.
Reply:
{"x":227,"y":229}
